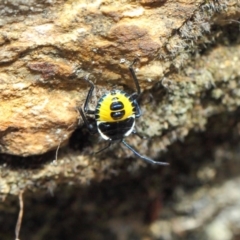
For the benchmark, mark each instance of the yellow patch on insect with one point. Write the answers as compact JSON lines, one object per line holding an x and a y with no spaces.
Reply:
{"x":105,"y":107}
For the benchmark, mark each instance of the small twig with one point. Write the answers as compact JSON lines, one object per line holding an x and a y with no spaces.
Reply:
{"x":59,"y":145}
{"x":20,"y":216}
{"x":56,"y":154}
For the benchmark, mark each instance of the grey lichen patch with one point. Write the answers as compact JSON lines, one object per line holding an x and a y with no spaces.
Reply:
{"x":52,"y":172}
{"x":19,"y":9}
{"x":196,"y":33}
{"x":10,"y":8}
{"x":204,"y":88}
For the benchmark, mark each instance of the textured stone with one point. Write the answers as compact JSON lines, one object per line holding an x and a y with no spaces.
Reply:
{"x":48,"y":47}
{"x":189,"y":69}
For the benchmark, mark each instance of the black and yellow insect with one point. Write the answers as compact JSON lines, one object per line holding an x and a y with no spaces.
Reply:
{"x":115,"y":116}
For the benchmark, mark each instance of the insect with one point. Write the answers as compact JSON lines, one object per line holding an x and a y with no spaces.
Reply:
{"x":115,"y":116}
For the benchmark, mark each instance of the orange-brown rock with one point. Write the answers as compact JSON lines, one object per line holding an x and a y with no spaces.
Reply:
{"x":45,"y":55}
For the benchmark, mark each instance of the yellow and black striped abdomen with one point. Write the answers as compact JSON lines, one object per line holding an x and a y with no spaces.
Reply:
{"x":114,"y":107}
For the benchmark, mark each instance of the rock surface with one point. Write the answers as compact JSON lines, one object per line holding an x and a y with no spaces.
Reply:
{"x":189,"y":70}
{"x":46,"y":51}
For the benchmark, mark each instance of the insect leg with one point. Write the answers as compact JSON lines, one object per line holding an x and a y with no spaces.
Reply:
{"x":89,"y":95}
{"x":85,"y":109}
{"x":138,"y":134}
{"x":101,"y":150}
{"x":138,"y":111}
{"x":92,"y":128}
{"x":146,"y":159}
{"x":134,"y":76}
